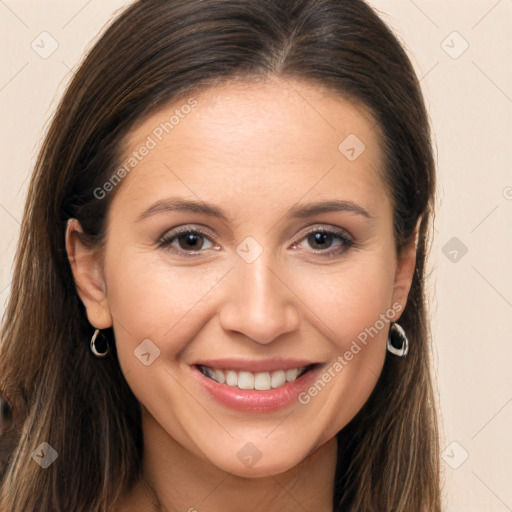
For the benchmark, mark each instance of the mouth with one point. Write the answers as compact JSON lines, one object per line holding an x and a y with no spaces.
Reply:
{"x":260,"y":381}
{"x":257,"y":386}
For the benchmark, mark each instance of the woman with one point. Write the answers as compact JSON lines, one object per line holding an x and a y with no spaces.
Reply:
{"x":218,"y":298}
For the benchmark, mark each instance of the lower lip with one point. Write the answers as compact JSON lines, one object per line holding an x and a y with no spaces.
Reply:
{"x":254,"y":400}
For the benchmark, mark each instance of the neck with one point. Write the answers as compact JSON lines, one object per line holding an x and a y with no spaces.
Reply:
{"x":194,"y":485}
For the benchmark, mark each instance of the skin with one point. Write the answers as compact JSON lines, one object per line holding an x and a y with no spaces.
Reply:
{"x":254,"y":150}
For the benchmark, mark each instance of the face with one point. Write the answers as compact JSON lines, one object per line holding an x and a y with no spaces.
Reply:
{"x":250,"y":272}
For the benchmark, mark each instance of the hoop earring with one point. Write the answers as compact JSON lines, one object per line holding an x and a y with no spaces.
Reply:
{"x":397,"y":343}
{"x":94,"y":350}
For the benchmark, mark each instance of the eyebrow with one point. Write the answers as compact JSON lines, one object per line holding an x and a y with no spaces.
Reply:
{"x":295,"y":212}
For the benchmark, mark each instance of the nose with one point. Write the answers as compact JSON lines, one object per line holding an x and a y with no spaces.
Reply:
{"x":259,"y":302}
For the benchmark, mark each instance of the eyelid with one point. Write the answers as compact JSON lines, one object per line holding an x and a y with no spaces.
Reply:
{"x":327,"y":228}
{"x":173,"y":232}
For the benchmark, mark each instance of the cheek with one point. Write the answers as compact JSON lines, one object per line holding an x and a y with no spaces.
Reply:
{"x":152,"y":299}
{"x":349,"y":299}
{"x":353,"y":310}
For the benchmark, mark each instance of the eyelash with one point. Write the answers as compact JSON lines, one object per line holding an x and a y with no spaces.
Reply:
{"x":167,"y":239}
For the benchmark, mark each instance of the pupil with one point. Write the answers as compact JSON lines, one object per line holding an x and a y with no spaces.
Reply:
{"x":191,"y":240}
{"x":320,"y":238}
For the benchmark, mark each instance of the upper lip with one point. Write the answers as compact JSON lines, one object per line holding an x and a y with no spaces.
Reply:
{"x":255,"y":365}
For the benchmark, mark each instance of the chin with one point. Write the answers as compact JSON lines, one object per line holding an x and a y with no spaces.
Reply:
{"x":250,"y":462}
{"x":260,"y":469}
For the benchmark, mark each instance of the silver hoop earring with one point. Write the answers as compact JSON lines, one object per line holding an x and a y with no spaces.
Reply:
{"x":397,"y":344}
{"x":94,"y":350}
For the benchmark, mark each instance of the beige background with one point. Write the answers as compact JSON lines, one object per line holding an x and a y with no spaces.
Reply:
{"x":470,"y":100}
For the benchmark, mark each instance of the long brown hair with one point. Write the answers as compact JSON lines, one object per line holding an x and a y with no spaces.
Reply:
{"x":154,"y":53}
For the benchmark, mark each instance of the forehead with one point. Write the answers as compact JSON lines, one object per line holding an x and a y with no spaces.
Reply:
{"x":277,"y":140}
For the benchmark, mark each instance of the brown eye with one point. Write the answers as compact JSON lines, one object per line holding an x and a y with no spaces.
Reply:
{"x":320,"y":240}
{"x":326,"y":242}
{"x":187,"y":241}
{"x":191,"y":241}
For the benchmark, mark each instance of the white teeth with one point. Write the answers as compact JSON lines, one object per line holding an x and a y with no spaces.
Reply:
{"x":245,"y":380}
{"x":291,"y":374}
{"x":261,"y":381}
{"x":278,"y":378}
{"x":231,"y":378}
{"x":219,"y":376}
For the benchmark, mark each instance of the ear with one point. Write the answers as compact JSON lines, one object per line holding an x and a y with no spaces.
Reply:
{"x":406,"y":264}
{"x":87,"y":267}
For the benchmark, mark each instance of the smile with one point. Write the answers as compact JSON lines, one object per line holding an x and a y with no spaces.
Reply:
{"x":261,"y":381}
{"x":255,"y":385}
